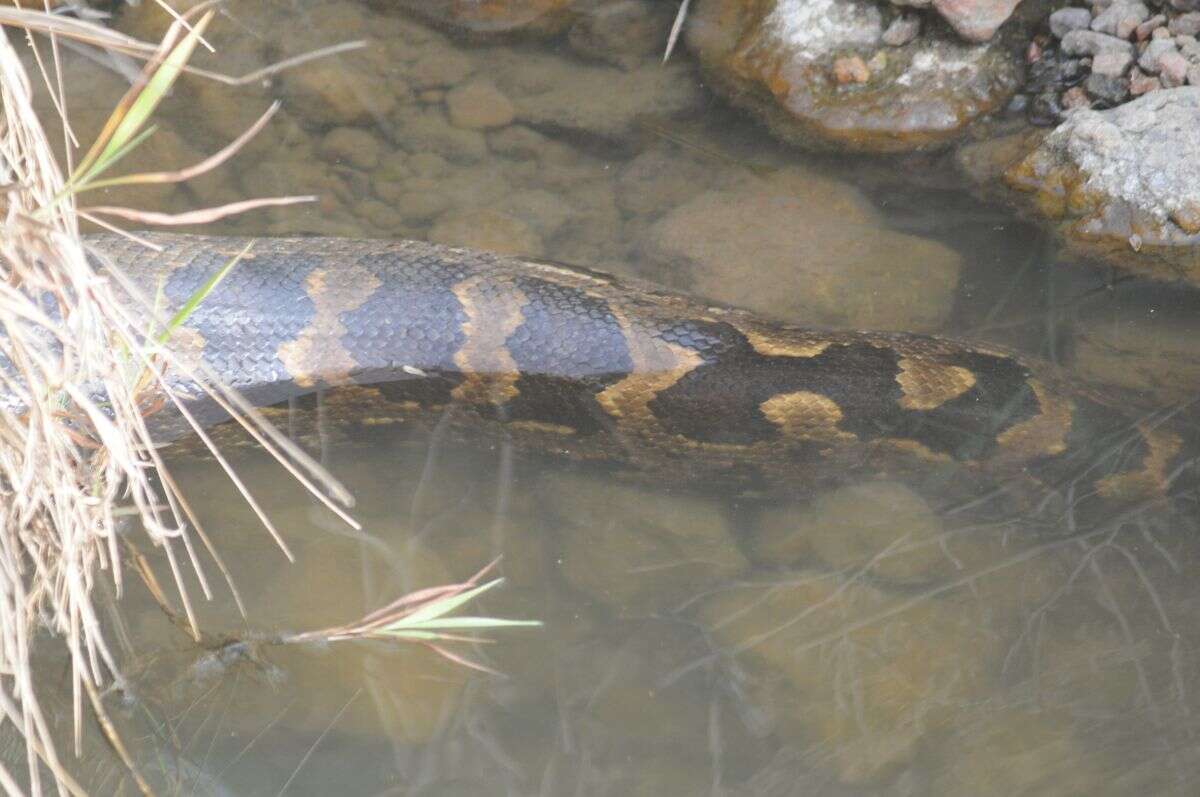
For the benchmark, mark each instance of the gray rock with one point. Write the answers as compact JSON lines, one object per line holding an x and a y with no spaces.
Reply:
{"x":1185,"y":5}
{"x":1090,"y":42}
{"x":1132,"y":169}
{"x":1112,"y":90}
{"x":1151,"y":59}
{"x":1190,"y":47}
{"x":903,"y":29}
{"x":1173,"y":69}
{"x":1185,"y":24}
{"x":1065,"y":20}
{"x":1193,"y":75}
{"x":1108,"y":19}
{"x":1111,"y":63}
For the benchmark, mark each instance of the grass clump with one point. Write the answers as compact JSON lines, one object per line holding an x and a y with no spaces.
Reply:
{"x":80,"y":367}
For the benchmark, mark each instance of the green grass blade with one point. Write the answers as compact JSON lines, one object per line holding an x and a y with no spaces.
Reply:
{"x":446,"y":605}
{"x":88,"y":181}
{"x":201,"y":294}
{"x":462,"y":622}
{"x":154,"y":91}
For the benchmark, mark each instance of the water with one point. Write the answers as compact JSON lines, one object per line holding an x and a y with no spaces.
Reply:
{"x":870,"y":641}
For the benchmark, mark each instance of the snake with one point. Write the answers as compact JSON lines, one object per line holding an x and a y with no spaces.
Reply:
{"x":585,"y":364}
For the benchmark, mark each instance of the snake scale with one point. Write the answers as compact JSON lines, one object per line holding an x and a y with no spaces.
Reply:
{"x":582,"y":363}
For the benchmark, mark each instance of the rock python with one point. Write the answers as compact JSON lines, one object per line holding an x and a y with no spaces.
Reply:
{"x":585,"y":364}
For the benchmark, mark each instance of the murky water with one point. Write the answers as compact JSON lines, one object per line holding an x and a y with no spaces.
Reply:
{"x":874,"y":640}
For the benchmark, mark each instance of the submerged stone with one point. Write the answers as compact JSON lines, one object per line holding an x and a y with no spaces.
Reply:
{"x":860,"y":673}
{"x":881,"y":524}
{"x":821,"y":254}
{"x":639,"y":552}
{"x":776,"y":58}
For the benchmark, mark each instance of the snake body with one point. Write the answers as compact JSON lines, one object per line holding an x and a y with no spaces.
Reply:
{"x":584,"y":363}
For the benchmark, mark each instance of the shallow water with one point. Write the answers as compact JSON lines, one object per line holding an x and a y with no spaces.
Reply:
{"x":874,"y":640}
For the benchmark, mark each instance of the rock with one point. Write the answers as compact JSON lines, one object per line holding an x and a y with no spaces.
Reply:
{"x":488,"y":18}
{"x":844,"y":665}
{"x":543,"y":211}
{"x":1140,"y":83}
{"x":478,"y":105}
{"x":852,"y":526}
{"x":594,"y":99}
{"x":351,"y":145}
{"x":1147,"y":28}
{"x":1122,"y":13}
{"x":1144,"y":343}
{"x":620,"y":32}
{"x":1075,"y":97}
{"x":1185,"y":24}
{"x":1065,"y":20}
{"x":517,"y":142}
{"x":1111,"y":63}
{"x":773,"y":57}
{"x":337,"y":92}
{"x":636,"y":553}
{"x":1160,"y":33}
{"x":659,"y":179}
{"x":975,"y":20}
{"x":1193,"y":75}
{"x":850,"y":70}
{"x":1104,"y":177}
{"x":1151,"y":60}
{"x":430,"y":131}
{"x":486,"y":229}
{"x":1110,"y":90}
{"x":1020,"y":751}
{"x":1089,"y":42}
{"x":439,"y":67}
{"x":903,"y":29}
{"x":821,"y":255}
{"x":1173,"y":69}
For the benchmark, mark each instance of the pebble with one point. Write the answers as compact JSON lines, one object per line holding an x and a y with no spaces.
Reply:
{"x":439,"y":68}
{"x":479,"y":105}
{"x":486,"y":229}
{"x":905,"y":28}
{"x":1161,"y":33}
{"x":1173,"y":69}
{"x":351,"y":145}
{"x":1151,"y":59}
{"x":1140,"y":83}
{"x":1111,"y":90}
{"x":1185,"y":24}
{"x":1120,"y":19}
{"x":1065,"y":20}
{"x":1147,"y":28}
{"x":1111,"y":63}
{"x":1193,"y":75}
{"x":1075,"y":97}
{"x":850,"y":70}
{"x":1089,"y":42}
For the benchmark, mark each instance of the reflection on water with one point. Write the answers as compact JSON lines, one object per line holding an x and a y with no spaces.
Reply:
{"x":873,"y":640}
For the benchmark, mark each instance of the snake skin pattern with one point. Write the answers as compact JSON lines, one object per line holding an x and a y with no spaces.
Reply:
{"x":578,"y":362}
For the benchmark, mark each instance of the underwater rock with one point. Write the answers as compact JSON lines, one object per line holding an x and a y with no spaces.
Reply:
{"x":555,"y":93}
{"x":488,"y":230}
{"x":1020,"y":751}
{"x":861,"y":674}
{"x":488,"y":18}
{"x":620,"y":32}
{"x":848,"y":528}
{"x":821,"y":255}
{"x":1123,"y":185}
{"x":639,"y":552}
{"x":776,"y":57}
{"x":478,"y":105}
{"x":1144,"y":343}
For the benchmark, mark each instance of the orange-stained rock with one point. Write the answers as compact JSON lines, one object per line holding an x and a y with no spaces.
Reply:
{"x":776,"y":58}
